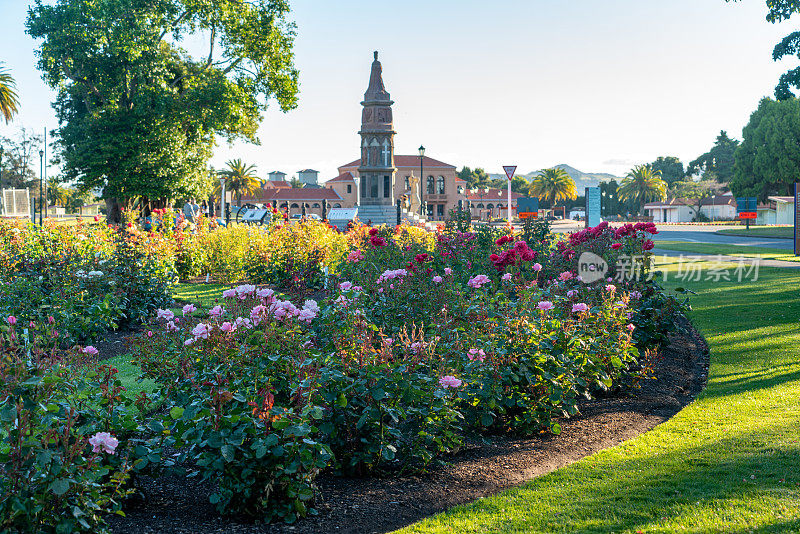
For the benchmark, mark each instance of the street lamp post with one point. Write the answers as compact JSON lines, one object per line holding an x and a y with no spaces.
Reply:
{"x":222,"y":197}
{"x":41,"y":187}
{"x":2,"y":200}
{"x":421,"y":179}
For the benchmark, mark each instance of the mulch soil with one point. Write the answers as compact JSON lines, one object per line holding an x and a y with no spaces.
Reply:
{"x":484,"y":467}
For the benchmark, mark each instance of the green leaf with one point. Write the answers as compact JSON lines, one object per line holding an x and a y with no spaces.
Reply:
{"x":228,"y":452}
{"x":60,"y":486}
{"x":176,"y":412}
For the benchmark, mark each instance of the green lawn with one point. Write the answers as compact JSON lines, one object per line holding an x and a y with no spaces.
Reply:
{"x":199,"y":294}
{"x":785,"y":232}
{"x":729,"y":462}
{"x":731,"y":250}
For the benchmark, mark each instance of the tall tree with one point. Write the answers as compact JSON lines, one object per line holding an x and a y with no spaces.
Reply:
{"x":240,"y":179}
{"x":718,"y":161}
{"x":138,"y":115}
{"x":57,"y":194}
{"x":778,"y":11}
{"x":19,"y":164}
{"x":553,"y":186}
{"x":671,"y":168}
{"x":768,"y":160}
{"x":642,"y":184}
{"x":9,"y":100}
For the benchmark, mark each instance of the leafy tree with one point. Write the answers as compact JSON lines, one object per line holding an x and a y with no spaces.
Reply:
{"x":20,"y":158}
{"x":57,"y":195}
{"x":295,"y":183}
{"x":477,"y":178}
{"x":138,"y":115}
{"x":768,"y":160}
{"x":553,"y":185}
{"x":671,"y":168}
{"x":718,"y":161}
{"x":694,"y":194}
{"x":642,"y":184}
{"x":9,"y":100}
{"x":778,"y":11}
{"x":240,"y":179}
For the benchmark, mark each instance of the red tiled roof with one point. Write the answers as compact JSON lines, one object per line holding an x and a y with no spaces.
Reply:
{"x":310,"y":193}
{"x":410,"y":161}
{"x":344,"y":177}
{"x":278,"y":184}
{"x":493,"y":194}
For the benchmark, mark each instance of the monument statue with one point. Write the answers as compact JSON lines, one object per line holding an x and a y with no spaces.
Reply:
{"x":416,"y":201}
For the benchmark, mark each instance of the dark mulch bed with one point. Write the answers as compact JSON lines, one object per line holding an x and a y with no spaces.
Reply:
{"x":178,"y":505}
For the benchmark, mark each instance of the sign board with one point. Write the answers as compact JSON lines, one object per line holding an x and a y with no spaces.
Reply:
{"x":592,"y":195}
{"x":510,"y":170}
{"x":748,"y":214}
{"x":746,"y":205}
{"x":796,"y":218}
{"x":527,"y":208}
{"x":255,"y":216}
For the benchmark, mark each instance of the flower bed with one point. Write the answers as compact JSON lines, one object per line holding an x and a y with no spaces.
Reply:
{"x":424,"y":339}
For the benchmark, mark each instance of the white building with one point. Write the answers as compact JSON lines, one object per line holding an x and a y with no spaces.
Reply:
{"x":784,"y":209}
{"x":716,"y":208}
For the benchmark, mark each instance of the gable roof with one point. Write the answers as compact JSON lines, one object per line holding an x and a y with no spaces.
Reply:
{"x":310,"y":193}
{"x":344,"y":177}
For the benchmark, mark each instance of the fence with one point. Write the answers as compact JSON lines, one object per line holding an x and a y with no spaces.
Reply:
{"x":15,"y":203}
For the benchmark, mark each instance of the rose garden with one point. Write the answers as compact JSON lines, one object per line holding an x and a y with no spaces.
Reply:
{"x":371,"y":353}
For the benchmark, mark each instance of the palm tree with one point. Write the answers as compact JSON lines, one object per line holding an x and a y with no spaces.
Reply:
{"x":240,"y":178}
{"x":553,"y":185}
{"x":8,"y":95}
{"x":641,"y":184}
{"x":56,"y":194}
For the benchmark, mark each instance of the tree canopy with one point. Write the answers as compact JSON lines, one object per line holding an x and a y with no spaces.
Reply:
{"x":641,"y":184}
{"x":9,"y":100}
{"x":778,"y":11}
{"x":138,"y":114}
{"x":240,"y":178}
{"x":670,"y":167}
{"x":768,"y":160}
{"x":718,"y":162}
{"x":553,"y":185}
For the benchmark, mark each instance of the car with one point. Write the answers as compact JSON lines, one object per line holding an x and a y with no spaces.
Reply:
{"x":314,"y":216}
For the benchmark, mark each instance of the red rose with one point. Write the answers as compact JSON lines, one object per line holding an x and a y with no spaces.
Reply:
{"x":373,"y":231}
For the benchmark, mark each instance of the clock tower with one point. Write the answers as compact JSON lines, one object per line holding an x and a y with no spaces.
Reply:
{"x":376,"y":170}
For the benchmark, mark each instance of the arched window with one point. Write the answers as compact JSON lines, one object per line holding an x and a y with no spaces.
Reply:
{"x":408,"y":184}
{"x":489,"y":206}
{"x":316,"y":205}
{"x":295,"y":206}
{"x":337,"y":205}
{"x":479,"y":206}
{"x":440,"y":185}
{"x":430,"y":185}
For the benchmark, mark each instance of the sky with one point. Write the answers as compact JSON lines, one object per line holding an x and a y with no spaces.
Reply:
{"x":600,"y":85}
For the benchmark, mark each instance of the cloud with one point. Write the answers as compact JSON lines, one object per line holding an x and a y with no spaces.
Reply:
{"x":620,"y":161}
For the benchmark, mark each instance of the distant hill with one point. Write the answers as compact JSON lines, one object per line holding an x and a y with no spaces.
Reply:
{"x":582,"y":179}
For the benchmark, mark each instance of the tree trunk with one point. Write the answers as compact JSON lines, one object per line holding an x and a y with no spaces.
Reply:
{"x":113,"y":211}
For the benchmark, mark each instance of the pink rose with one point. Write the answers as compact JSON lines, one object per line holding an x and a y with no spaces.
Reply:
{"x":476,"y":354}
{"x":90,"y":350}
{"x":165,"y":314}
{"x":449,"y":382}
{"x":216,"y":311}
{"x":506,"y":277}
{"x":189,"y":308}
{"x":200,"y":331}
{"x":566,"y":275}
{"x":580,"y":307}
{"x":448,"y":271}
{"x":545,"y":305}
{"x":227,"y":327}
{"x":103,"y":441}
{"x":537,"y":267}
{"x":437,"y":279}
{"x":12,"y":320}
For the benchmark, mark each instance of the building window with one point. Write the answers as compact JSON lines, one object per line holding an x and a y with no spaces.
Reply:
{"x":373,"y":186}
{"x":337,"y":205}
{"x":295,"y":206}
{"x":349,"y":189}
{"x":430,"y":211}
{"x":430,"y":185}
{"x":440,"y":210}
{"x":363,"y":187}
{"x":316,"y":205}
{"x":387,"y":186}
{"x":408,"y":184}
{"x":440,"y":185}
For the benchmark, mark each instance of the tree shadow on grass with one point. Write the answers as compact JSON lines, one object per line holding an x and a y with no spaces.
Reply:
{"x":655,"y":492}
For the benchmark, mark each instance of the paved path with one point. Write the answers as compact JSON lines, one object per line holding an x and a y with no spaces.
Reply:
{"x":707,"y":234}
{"x":690,"y":256}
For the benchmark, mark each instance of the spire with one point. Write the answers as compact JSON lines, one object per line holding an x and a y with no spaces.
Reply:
{"x":376,"y":92}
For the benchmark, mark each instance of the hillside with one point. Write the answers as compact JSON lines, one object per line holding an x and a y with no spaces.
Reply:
{"x":582,"y":179}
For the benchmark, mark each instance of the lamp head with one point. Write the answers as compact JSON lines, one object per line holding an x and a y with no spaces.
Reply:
{"x":421,"y":151}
